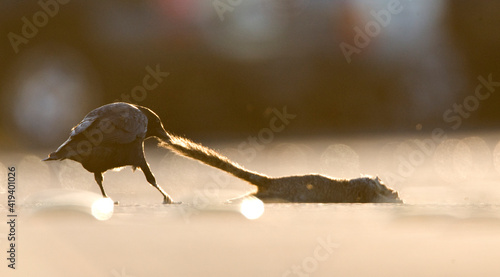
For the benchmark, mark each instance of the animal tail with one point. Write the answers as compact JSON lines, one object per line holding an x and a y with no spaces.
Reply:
{"x":185,"y":147}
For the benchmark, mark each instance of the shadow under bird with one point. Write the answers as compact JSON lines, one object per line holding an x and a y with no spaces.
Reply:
{"x":112,"y":136}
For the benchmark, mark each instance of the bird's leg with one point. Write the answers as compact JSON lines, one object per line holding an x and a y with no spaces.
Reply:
{"x":151,"y":179}
{"x":98,"y":179}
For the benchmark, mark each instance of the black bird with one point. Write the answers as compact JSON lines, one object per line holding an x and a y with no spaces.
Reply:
{"x":113,"y":136}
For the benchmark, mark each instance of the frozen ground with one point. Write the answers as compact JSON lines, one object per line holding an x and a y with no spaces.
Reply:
{"x":449,"y":225}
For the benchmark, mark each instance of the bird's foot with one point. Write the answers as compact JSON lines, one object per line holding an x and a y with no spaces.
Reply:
{"x":168,"y":200}
{"x":115,"y":202}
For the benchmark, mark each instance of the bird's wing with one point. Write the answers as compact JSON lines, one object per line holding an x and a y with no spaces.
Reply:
{"x":85,"y":123}
{"x":112,"y":123}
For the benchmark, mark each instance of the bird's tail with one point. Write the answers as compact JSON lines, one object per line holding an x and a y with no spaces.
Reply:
{"x":65,"y":151}
{"x":53,"y":157}
{"x":185,"y":147}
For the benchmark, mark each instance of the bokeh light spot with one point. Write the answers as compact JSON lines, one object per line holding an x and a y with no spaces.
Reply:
{"x":102,"y":208}
{"x":252,"y":208}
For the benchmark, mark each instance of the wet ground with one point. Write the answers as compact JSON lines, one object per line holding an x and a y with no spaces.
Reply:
{"x":448,"y":226}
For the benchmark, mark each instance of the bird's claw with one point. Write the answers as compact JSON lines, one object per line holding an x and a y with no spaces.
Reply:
{"x":168,"y":200}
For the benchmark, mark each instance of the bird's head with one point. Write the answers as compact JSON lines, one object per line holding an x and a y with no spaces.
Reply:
{"x":155,"y":126}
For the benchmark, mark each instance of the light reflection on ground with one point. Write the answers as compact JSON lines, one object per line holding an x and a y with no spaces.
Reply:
{"x":102,"y":208}
{"x":252,"y":207}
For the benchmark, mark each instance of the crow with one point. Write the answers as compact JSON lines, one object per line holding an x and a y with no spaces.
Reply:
{"x":112,"y":136}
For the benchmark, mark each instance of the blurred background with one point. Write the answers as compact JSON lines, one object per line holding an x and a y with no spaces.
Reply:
{"x":217,"y":69}
{"x":365,"y":84}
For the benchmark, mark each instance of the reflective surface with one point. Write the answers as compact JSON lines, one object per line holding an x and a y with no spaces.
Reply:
{"x":449,"y":224}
